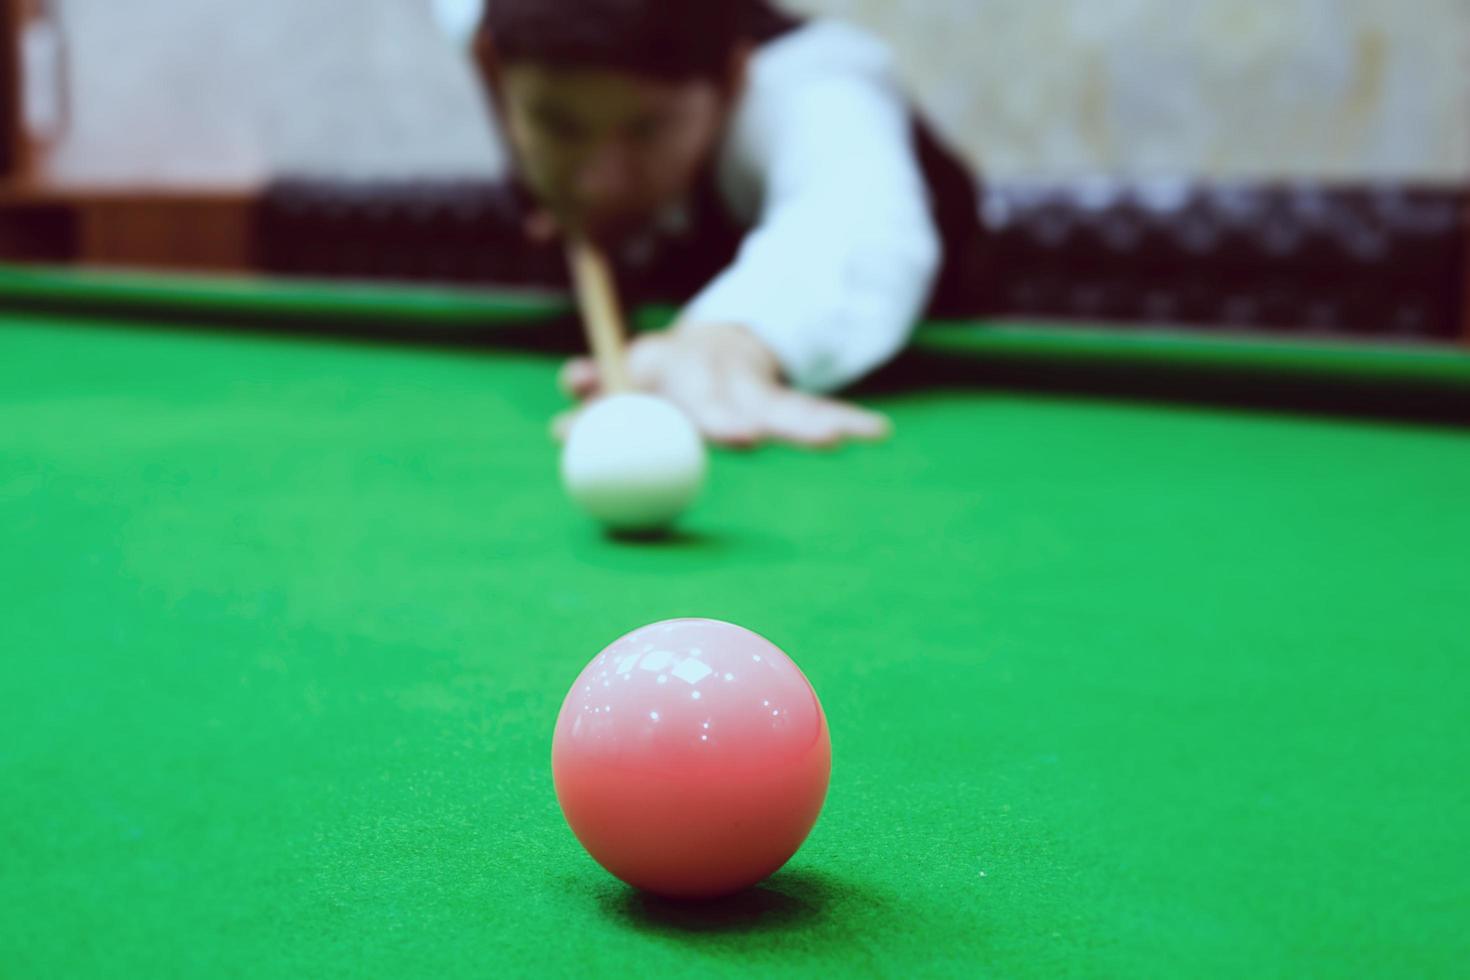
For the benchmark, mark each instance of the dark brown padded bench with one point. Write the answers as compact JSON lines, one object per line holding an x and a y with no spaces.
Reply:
{"x":1382,"y":260}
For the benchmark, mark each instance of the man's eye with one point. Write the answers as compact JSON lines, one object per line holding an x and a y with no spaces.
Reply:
{"x":559,"y":127}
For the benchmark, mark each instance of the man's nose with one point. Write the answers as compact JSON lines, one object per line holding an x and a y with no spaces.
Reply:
{"x":606,"y":179}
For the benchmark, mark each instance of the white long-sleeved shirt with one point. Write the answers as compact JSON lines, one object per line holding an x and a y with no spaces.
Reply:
{"x":843,"y":250}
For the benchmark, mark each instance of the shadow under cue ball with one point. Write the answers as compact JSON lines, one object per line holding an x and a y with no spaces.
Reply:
{"x":691,"y":758}
{"x":634,"y":463}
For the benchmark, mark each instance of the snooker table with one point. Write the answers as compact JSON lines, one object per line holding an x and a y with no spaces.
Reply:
{"x":1128,"y":671}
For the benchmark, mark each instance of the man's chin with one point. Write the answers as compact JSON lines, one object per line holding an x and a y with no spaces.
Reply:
{"x":615,"y":232}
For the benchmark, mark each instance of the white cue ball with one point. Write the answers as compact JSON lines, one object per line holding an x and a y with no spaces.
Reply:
{"x":633,"y":462}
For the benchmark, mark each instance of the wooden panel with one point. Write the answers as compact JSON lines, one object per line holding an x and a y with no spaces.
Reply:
{"x":210,"y":229}
{"x":38,"y":233}
{"x":10,"y":94}
{"x":205,"y":232}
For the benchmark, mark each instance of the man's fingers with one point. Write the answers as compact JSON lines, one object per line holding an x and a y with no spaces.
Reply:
{"x":648,"y":361}
{"x":802,"y":420}
{"x":561,"y":426}
{"x":706,"y":398}
{"x":806,"y":420}
{"x":646,"y":356}
{"x":863,"y":424}
{"x":723,"y":424}
{"x":579,"y":378}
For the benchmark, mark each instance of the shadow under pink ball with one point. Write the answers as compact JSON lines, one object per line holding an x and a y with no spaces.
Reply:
{"x":691,"y":758}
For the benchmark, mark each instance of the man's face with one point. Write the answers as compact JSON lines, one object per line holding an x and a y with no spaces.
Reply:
{"x":606,"y":150}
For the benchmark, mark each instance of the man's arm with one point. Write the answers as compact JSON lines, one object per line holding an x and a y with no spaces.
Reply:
{"x":844,"y":251}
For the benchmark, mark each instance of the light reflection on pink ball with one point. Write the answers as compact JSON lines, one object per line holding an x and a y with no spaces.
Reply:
{"x":691,"y":758}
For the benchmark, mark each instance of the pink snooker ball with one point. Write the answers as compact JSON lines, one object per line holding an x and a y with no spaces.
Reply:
{"x":691,"y":758}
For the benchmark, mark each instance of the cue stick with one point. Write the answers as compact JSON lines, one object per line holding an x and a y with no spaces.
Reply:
{"x":602,"y":317}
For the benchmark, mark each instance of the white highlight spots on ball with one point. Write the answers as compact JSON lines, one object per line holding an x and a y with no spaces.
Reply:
{"x":692,"y":671}
{"x":656,"y":660}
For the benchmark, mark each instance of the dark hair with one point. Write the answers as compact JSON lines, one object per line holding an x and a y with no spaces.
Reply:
{"x":679,"y":40}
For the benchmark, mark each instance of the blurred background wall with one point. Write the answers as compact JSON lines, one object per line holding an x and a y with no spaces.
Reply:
{"x":1321,"y":88}
{"x":1339,"y":88}
{"x":219,"y":91}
